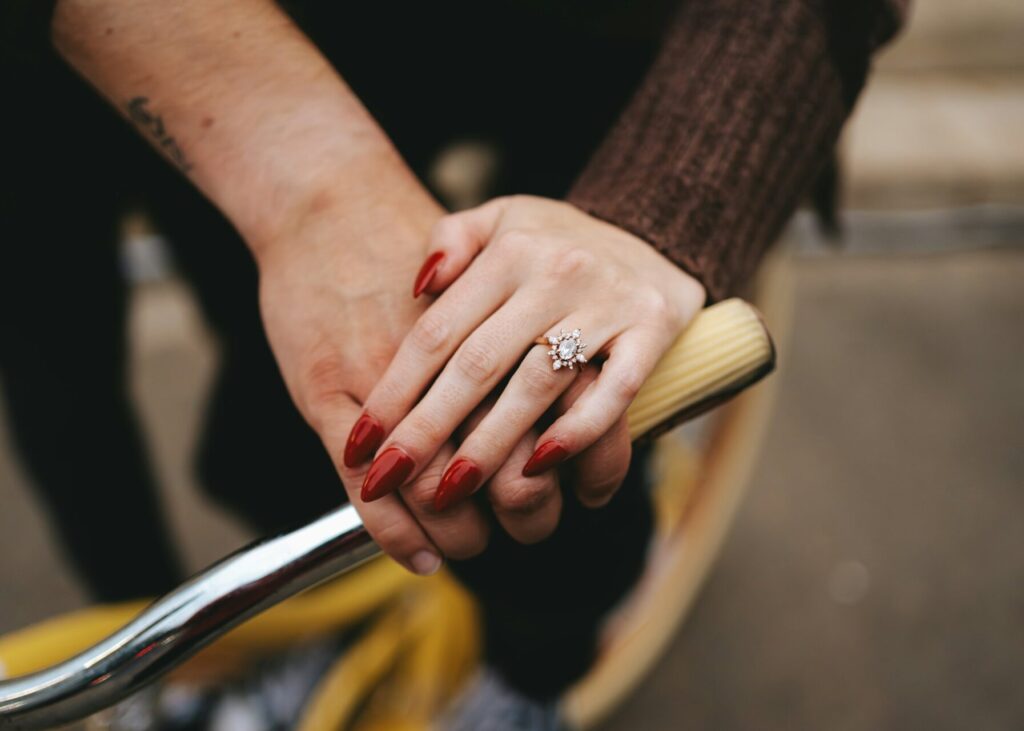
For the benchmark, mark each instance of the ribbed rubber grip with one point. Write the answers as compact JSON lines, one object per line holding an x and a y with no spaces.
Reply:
{"x":725,"y":349}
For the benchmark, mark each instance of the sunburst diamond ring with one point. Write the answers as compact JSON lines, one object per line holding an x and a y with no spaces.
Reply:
{"x":566,"y":349}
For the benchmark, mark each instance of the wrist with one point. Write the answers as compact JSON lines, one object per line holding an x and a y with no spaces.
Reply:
{"x":300,"y":191}
{"x":366,"y":218}
{"x":274,"y":146}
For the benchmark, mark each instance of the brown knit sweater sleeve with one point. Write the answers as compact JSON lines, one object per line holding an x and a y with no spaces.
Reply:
{"x":737,"y":115}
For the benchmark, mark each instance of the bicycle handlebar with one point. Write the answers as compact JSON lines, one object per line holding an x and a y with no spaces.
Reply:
{"x":181,"y":623}
{"x":725,"y":349}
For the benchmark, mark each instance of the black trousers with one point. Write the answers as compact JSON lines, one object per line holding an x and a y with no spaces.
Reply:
{"x":73,"y":167}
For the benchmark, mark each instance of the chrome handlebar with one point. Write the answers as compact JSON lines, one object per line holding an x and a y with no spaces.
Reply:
{"x":179,"y":624}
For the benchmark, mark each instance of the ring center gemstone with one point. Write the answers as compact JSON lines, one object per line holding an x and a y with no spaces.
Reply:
{"x":567,"y":349}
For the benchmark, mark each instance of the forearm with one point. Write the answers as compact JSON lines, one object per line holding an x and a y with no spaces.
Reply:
{"x":234,"y":95}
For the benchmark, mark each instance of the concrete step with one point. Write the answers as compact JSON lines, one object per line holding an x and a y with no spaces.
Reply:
{"x":941,"y":121}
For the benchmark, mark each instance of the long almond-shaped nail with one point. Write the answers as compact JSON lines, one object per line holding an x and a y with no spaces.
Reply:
{"x":366,"y":435}
{"x":458,"y":483}
{"x":548,"y":454}
{"x":427,"y":272}
{"x":387,"y":473}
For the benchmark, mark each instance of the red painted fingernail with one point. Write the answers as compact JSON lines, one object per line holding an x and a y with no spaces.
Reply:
{"x":366,"y":435}
{"x":387,"y":473}
{"x":427,"y":272}
{"x":458,"y":483}
{"x":547,"y":456}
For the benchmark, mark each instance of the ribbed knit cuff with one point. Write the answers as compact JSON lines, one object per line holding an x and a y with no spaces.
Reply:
{"x":737,"y":115}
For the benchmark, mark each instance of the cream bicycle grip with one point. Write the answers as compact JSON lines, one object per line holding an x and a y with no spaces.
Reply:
{"x":725,"y":349}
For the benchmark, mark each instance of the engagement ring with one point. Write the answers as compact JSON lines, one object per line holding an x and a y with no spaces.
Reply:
{"x":566,"y":349}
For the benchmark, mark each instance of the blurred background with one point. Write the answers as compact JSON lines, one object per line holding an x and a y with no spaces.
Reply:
{"x":874,"y":577}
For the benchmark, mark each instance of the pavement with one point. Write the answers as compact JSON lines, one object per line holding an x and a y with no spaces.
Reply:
{"x":874,"y":578}
{"x":939,"y":124}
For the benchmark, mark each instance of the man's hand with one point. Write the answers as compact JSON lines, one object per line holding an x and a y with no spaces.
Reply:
{"x":335,"y":301}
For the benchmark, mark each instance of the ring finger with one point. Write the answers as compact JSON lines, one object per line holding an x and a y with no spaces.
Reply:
{"x":477,"y":367}
{"x":533,"y":388}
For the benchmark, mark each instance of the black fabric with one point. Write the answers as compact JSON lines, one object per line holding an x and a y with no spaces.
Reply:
{"x":25,"y":30}
{"x":63,"y":344}
{"x":855,"y":29}
{"x":543,"y":603}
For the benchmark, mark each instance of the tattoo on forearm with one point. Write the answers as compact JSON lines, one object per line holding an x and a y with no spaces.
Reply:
{"x":153,"y":124}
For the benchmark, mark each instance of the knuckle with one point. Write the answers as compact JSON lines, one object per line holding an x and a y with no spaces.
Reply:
{"x":390,"y":391}
{"x":615,"y":449}
{"x":324,"y":381}
{"x":458,"y":533}
{"x":599,"y":492}
{"x":626,"y":383}
{"x":521,"y":495}
{"x":539,"y":379}
{"x":450,"y":397}
{"x":609,"y":460}
{"x":514,"y":240}
{"x":586,"y":426}
{"x":395,"y":537}
{"x":657,"y":307}
{"x":431,"y":332}
{"x":418,"y":435}
{"x":572,"y":263}
{"x":477,"y":362}
{"x":613,"y":474}
{"x":419,"y":494}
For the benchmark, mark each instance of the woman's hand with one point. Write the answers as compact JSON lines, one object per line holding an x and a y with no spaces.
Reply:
{"x":507,"y":272}
{"x":336,"y":304}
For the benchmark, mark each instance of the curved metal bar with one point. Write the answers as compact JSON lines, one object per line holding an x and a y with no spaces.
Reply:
{"x":176,"y":626}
